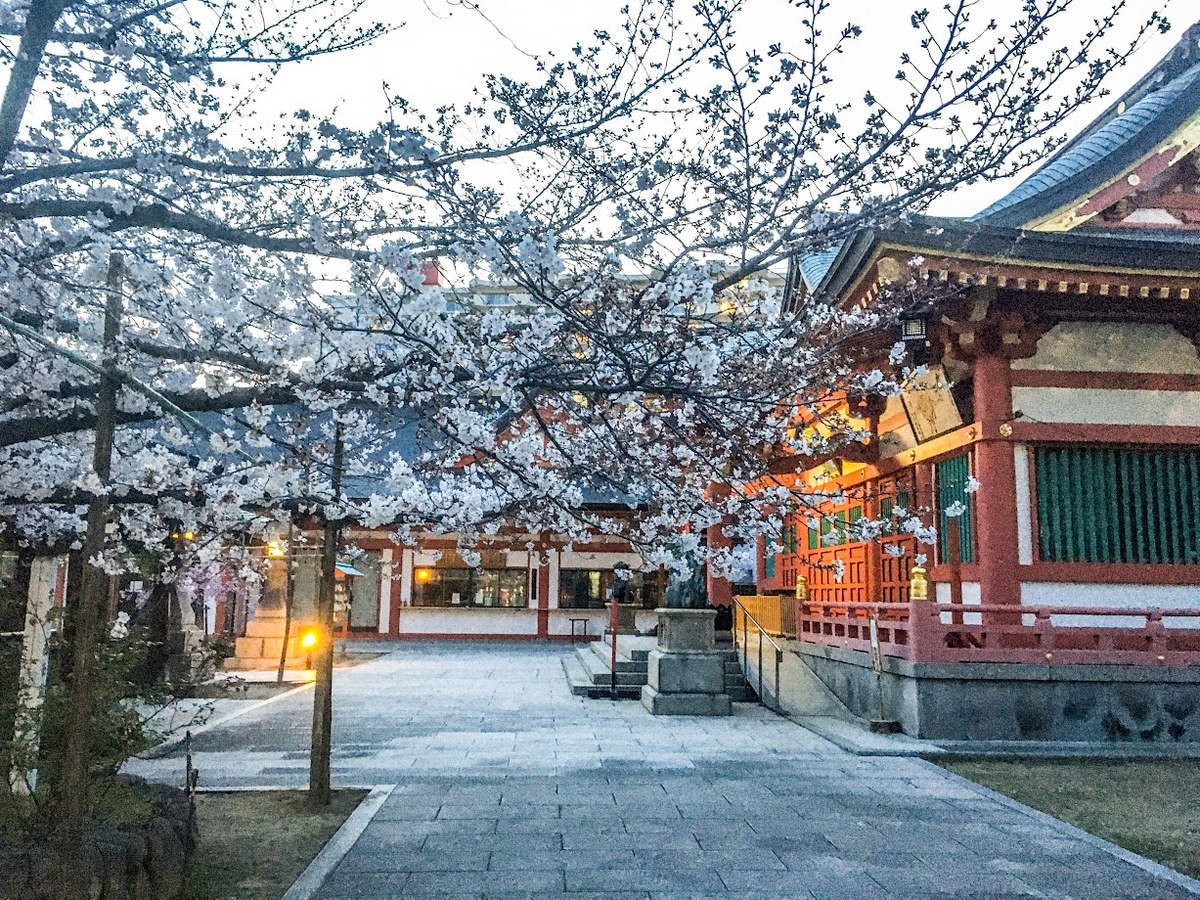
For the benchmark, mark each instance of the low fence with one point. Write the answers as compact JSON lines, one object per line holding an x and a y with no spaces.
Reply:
{"x":926,"y":631}
{"x":775,"y":614}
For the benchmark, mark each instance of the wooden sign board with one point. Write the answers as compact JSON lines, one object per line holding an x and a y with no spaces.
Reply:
{"x":876,"y":651}
{"x":929,"y":405}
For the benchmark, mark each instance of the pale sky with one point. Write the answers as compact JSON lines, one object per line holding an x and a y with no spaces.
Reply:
{"x":443,"y":50}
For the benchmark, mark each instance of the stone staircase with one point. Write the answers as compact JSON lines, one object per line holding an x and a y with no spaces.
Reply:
{"x":736,"y":686}
{"x":588,"y":669}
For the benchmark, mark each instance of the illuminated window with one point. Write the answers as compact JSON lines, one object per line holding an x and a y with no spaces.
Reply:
{"x":498,"y":588}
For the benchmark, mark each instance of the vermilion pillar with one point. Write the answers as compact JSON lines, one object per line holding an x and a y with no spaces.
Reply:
{"x":720,"y":592}
{"x":995,"y":501}
{"x":543,"y":597}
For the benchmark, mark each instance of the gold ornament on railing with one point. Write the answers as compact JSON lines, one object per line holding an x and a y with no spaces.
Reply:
{"x":918,"y":586}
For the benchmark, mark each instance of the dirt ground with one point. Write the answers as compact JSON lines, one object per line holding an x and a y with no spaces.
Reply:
{"x":253,"y":844}
{"x":1151,"y":807}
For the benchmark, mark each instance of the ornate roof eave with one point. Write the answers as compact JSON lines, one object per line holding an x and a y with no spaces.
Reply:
{"x":954,"y":250}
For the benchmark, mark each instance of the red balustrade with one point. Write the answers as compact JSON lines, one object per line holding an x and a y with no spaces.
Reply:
{"x":925,"y":631}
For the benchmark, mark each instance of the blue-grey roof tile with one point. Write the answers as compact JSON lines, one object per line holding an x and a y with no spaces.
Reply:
{"x":814,"y":266}
{"x":1097,"y":147}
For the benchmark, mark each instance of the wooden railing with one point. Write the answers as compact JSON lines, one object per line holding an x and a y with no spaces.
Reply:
{"x":848,"y":625}
{"x":925,"y":631}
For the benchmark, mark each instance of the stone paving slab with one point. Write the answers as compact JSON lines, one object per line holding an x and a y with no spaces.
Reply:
{"x":509,"y":786}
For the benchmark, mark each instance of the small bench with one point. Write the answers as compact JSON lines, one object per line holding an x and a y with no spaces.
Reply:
{"x":580,"y":632}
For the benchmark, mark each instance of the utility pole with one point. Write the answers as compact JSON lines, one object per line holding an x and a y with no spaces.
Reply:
{"x":87,"y":618}
{"x":322,"y":730}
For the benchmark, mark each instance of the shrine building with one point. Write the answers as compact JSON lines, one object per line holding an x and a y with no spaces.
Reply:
{"x":1054,"y":442}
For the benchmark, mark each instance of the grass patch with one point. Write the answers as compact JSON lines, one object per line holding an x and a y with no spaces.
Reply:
{"x":254,"y":844}
{"x":1151,"y":807}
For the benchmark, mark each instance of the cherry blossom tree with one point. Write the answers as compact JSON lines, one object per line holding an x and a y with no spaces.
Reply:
{"x":222,"y":298}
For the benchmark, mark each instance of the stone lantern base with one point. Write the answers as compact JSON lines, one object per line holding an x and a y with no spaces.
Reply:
{"x":686,"y":674}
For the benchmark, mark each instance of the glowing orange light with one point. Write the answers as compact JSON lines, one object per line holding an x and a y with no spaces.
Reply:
{"x":274,"y":549}
{"x":424,"y":574}
{"x":308,"y":640}
{"x":189,"y":535}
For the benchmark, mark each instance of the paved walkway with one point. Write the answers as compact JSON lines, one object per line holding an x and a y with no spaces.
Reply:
{"x":509,"y":786}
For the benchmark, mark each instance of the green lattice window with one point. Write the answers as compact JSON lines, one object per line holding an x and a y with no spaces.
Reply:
{"x":953,"y":476}
{"x":790,"y":542}
{"x":1118,"y":505}
{"x":850,"y":533}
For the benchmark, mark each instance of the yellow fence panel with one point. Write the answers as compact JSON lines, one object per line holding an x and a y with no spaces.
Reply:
{"x":770,"y":611}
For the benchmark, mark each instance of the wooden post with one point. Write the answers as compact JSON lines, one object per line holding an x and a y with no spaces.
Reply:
{"x":322,"y":731}
{"x":289,"y":557}
{"x":40,"y":623}
{"x":954,"y":563}
{"x":612,"y":631}
{"x":85,"y":619}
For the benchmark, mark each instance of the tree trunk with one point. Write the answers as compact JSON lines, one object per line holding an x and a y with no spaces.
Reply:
{"x":322,"y":731}
{"x":72,"y":791}
{"x":39,"y":26}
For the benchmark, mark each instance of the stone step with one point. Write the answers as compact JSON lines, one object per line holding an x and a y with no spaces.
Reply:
{"x":591,"y":659}
{"x":736,"y":686}
{"x":579,"y":680}
{"x":625,"y":661}
{"x":601,"y":674}
{"x":582,"y":682}
{"x":636,"y":647}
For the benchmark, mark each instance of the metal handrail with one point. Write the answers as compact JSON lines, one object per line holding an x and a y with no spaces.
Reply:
{"x":778,"y":655}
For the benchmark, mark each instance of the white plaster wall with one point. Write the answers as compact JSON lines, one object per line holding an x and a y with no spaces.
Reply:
{"x":560,"y":621}
{"x":1098,"y":406}
{"x":1024,"y":506}
{"x":385,"y":591}
{"x":429,"y":620}
{"x":406,"y":577}
{"x":576,"y":560}
{"x":970,"y":597}
{"x":1114,"y":596}
{"x":552,"y":559}
{"x":1113,"y":347}
{"x":645,"y":619}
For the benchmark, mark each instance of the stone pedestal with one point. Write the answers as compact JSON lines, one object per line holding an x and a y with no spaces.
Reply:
{"x":260,"y":647}
{"x":262,"y":644}
{"x":686,"y":675}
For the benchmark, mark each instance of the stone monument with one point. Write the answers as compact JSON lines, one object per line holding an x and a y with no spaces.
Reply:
{"x":686,"y":673}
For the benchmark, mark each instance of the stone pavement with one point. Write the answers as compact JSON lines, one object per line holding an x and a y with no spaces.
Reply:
{"x":509,"y":786}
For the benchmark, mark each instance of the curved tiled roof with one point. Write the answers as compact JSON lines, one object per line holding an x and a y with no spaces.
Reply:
{"x":1100,"y":156}
{"x":814,"y":266}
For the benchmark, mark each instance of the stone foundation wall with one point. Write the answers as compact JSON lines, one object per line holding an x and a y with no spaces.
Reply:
{"x":135,"y":863}
{"x":1017,"y":702}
